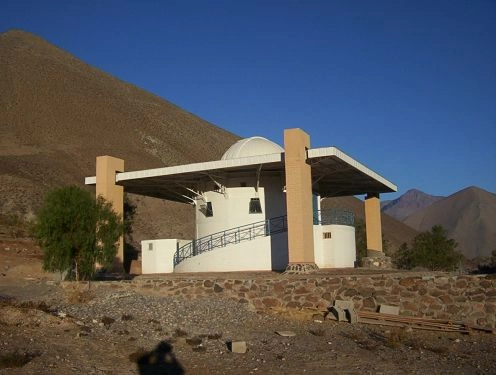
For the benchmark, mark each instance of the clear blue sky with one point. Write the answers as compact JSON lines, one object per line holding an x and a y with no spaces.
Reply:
{"x":406,"y":87}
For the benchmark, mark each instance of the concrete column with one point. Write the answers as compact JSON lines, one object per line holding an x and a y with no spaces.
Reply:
{"x":106,"y":169}
{"x":373,"y":225}
{"x":299,"y":201}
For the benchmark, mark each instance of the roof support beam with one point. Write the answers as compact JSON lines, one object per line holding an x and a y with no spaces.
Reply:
{"x":299,"y":201}
{"x":106,"y":169}
{"x":373,"y":225}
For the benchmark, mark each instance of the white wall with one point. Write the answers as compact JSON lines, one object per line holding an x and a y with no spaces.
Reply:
{"x":254,"y":255}
{"x":157,"y":256}
{"x":231,"y":208}
{"x":339,"y":251}
{"x":229,"y":211}
{"x":318,"y":252}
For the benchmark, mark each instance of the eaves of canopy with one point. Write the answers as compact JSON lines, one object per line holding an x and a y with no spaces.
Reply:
{"x":333,"y":174}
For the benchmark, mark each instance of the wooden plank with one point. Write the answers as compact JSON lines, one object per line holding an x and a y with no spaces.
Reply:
{"x":406,"y":319}
{"x":397,"y":324}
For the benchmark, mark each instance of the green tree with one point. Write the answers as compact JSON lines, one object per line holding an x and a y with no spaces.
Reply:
{"x":489,"y":264}
{"x":131,"y":251}
{"x":360,"y":240}
{"x":76,"y":232}
{"x":431,"y":249}
{"x":402,"y":258}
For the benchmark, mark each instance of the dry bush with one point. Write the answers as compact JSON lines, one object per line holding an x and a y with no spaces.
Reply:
{"x":180,"y":333}
{"x":107,"y":321}
{"x":438,"y":349}
{"x":16,"y":359}
{"x":212,"y":336}
{"x":395,"y":338}
{"x":317,"y":332}
{"x":7,"y":301}
{"x":126,"y":317}
{"x":194,"y":341}
{"x":362,"y":341}
{"x":77,"y":296}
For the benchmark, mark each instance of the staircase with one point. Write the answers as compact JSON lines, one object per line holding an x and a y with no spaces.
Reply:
{"x":231,"y":236}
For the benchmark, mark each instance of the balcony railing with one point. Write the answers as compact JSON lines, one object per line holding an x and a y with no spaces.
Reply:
{"x":337,"y":216}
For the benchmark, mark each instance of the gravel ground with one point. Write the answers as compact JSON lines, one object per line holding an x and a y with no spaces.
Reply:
{"x":109,"y":331}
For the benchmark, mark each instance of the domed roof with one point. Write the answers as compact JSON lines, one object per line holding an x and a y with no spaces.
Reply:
{"x":253,"y":146}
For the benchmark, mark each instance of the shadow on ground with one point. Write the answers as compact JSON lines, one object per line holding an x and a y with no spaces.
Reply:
{"x":160,"y":360}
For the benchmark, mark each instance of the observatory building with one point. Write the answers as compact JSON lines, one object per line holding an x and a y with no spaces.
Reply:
{"x":257,"y":208}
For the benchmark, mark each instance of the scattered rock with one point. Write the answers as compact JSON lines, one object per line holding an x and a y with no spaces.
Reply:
{"x":286,"y":333}
{"x":107,"y":321}
{"x":237,"y":346}
{"x":194,"y":341}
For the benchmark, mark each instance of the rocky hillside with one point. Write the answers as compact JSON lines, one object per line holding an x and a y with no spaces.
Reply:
{"x":468,"y":216}
{"x":58,"y":113}
{"x":409,"y":203}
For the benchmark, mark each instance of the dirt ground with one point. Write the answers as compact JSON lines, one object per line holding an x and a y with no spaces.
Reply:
{"x":52,"y":328}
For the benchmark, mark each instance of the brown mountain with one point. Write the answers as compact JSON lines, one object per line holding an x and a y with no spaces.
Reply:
{"x":410,"y":202}
{"x":393,"y":230}
{"x":468,"y":216}
{"x":58,"y":113}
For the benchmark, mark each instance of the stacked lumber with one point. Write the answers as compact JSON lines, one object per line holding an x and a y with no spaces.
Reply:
{"x":369,"y":317}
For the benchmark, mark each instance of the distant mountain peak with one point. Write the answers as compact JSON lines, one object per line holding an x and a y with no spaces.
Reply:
{"x":474,"y":189}
{"x":408,"y":203}
{"x":468,"y":216}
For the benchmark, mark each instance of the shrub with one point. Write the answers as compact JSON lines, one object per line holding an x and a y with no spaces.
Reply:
{"x":431,"y":249}
{"x":489,"y":264}
{"x":76,"y":232}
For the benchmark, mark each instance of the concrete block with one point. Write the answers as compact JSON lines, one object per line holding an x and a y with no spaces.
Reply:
{"x":237,"y":346}
{"x":339,"y":313}
{"x":387,"y":309}
{"x":352,"y":316}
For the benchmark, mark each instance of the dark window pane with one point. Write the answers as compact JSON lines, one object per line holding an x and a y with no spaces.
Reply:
{"x":206,"y":209}
{"x":210,"y":211}
{"x":255,"y":206}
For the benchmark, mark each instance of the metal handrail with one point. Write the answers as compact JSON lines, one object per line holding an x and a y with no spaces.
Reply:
{"x":336,"y":216}
{"x":263,"y":228}
{"x":235,"y":235}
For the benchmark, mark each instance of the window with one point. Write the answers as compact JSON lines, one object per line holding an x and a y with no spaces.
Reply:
{"x":255,"y":206}
{"x":150,"y":245}
{"x":210,"y":211}
{"x":326,"y":235}
{"x":206,"y":209}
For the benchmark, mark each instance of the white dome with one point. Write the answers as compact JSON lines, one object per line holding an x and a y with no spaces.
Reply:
{"x":253,"y":146}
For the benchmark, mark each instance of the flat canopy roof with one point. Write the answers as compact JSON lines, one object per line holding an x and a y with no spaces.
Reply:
{"x":333,"y":174}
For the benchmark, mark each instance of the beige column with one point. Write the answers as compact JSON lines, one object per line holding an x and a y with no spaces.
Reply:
{"x":106,"y":169}
{"x":299,"y":201}
{"x":373,"y":225}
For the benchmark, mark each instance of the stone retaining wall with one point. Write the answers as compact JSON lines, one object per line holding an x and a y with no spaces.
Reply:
{"x":470,"y":299}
